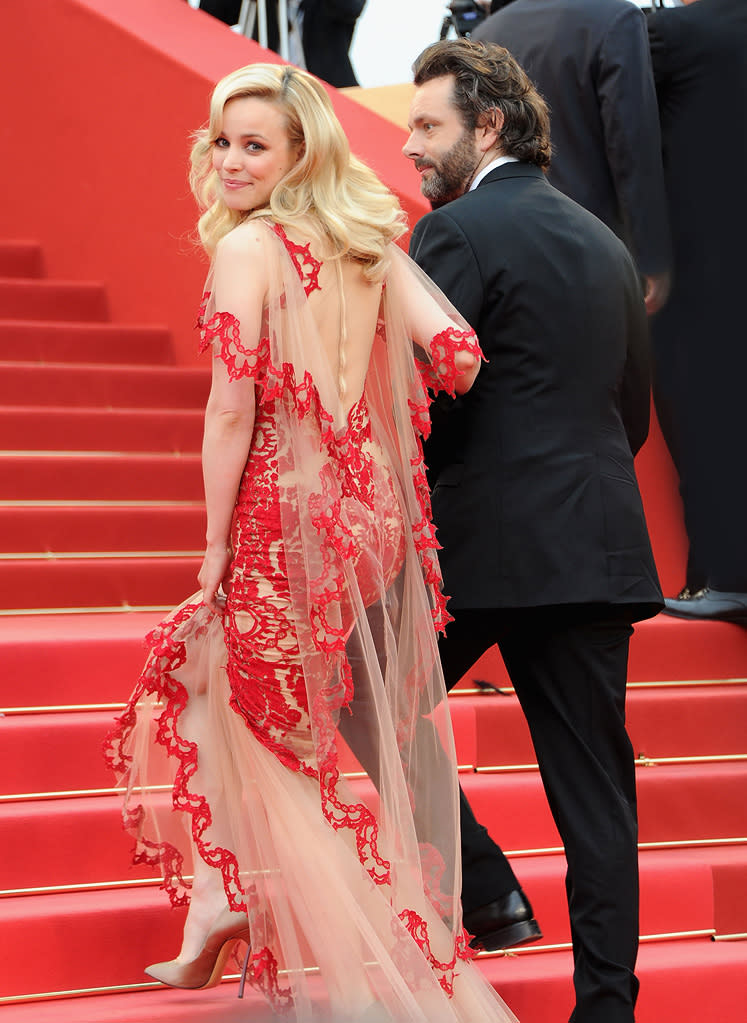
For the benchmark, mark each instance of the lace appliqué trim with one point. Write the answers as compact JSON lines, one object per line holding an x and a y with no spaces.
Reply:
{"x":307,"y":267}
{"x":424,"y":533}
{"x":223,"y":333}
{"x":355,"y":816}
{"x":441,"y":374}
{"x":157,"y":680}
{"x":446,"y":972}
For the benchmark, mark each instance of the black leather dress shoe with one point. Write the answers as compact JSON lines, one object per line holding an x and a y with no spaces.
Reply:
{"x":709,"y":604}
{"x":503,"y":923}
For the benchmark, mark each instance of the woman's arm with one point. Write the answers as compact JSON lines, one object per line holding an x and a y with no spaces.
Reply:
{"x":239,"y":288}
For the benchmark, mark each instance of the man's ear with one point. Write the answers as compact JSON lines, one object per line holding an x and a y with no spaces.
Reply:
{"x":488,"y":131}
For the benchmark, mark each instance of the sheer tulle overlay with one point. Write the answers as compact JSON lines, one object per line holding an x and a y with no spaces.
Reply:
{"x":302,"y":735}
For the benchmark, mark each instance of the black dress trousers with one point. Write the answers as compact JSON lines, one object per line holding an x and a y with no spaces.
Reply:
{"x":568,"y":665}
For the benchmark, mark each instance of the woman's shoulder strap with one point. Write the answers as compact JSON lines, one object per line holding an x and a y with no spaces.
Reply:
{"x":307,"y":267}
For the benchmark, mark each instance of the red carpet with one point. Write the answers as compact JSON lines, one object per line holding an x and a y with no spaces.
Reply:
{"x":100,"y":507}
{"x":101,"y":510}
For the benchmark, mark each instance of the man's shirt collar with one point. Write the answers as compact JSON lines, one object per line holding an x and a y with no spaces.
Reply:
{"x":491,"y":167}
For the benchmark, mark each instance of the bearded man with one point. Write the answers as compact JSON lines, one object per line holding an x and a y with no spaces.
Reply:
{"x":545,"y":546}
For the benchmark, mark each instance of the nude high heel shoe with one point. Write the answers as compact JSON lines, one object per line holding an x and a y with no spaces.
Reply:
{"x":206,"y":969}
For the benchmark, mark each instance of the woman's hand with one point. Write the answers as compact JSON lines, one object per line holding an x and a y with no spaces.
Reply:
{"x":214,"y":573}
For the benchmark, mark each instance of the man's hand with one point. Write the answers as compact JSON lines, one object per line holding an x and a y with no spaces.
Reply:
{"x":656,"y":292}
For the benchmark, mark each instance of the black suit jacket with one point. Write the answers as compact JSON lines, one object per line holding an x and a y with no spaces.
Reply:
{"x":534,"y":492}
{"x":590,"y":61}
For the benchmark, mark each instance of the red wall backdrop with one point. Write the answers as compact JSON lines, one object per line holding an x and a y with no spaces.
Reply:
{"x":100,"y":98}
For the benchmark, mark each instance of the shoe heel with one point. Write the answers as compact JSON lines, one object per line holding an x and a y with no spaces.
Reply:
{"x":222,"y":958}
{"x":206,"y":969}
{"x":244,"y":968}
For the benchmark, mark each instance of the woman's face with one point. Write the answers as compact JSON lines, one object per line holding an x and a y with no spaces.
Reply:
{"x":252,"y":153}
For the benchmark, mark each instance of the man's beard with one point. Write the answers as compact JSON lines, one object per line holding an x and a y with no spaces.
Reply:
{"x":450,"y":178}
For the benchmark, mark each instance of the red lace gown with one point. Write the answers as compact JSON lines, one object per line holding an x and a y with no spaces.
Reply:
{"x":351,"y":885}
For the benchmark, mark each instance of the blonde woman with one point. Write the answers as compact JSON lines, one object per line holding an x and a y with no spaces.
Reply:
{"x":320,"y":595}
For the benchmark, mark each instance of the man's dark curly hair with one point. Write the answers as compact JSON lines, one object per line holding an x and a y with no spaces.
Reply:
{"x":487,"y":78}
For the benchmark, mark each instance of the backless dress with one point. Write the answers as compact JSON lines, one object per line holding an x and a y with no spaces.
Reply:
{"x":303,"y":735}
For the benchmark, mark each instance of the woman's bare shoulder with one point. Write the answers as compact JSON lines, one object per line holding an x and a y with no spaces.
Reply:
{"x":246,"y":240}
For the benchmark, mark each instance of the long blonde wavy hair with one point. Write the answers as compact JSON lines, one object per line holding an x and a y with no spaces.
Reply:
{"x":328,"y":188}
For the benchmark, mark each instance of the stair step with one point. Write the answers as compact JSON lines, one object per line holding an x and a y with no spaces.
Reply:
{"x":29,"y":383}
{"x":671,"y":721}
{"x":689,"y":721}
{"x":67,"y":752}
{"x":662,"y":649}
{"x":97,"y":939}
{"x":730,"y":888}
{"x":663,"y":909}
{"x":86,"y":833}
{"x":64,"y":476}
{"x":692,"y":801}
{"x":676,"y":805}
{"x":35,"y":299}
{"x":686,"y":802}
{"x":35,"y":530}
{"x":688,"y":981}
{"x":76,"y":644}
{"x":63,"y":742}
{"x":97,"y":582}
{"x":92,"y":429}
{"x":67,"y":747}
{"x":667,"y":648}
{"x":21,"y":259}
{"x":728,"y":864}
{"x":663,"y":879}
{"x":50,"y":660}
{"x":155,"y":1004}
{"x":90,"y":939}
{"x":681,"y":980}
{"x":37,"y":340}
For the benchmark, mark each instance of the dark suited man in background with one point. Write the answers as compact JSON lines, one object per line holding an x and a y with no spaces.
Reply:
{"x":590,"y":61}
{"x":228,"y":11}
{"x":699,"y":338}
{"x":327,"y":30}
{"x":545,"y":547}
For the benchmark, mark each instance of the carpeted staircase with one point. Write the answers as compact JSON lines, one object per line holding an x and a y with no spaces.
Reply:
{"x":101,"y":527}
